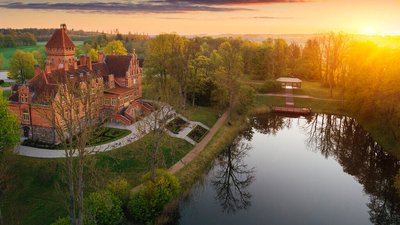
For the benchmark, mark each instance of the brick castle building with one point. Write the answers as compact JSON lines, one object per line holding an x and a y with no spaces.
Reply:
{"x":118,"y":77}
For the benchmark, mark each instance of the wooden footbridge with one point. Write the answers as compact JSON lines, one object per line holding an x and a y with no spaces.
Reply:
{"x":290,"y":108}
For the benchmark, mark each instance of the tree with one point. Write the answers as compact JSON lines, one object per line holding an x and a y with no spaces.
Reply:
{"x":280,"y":58}
{"x":40,"y":57}
{"x":93,"y":54}
{"x":166,"y":64}
{"x":115,"y":48}
{"x":9,"y":137}
{"x":22,"y":66}
{"x":9,"y":129}
{"x":103,"y":208}
{"x":229,"y":71}
{"x":76,"y":118}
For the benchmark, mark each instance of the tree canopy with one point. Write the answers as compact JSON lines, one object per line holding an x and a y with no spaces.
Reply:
{"x":22,"y":66}
{"x":116,"y":48}
{"x":9,"y":129}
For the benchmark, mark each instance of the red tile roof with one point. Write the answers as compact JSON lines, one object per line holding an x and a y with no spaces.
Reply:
{"x":60,"y":39}
{"x":118,"y":64}
{"x":119,"y":90}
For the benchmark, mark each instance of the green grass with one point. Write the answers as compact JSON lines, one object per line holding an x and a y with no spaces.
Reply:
{"x":314,"y":89}
{"x":206,"y":115}
{"x":6,"y":93}
{"x":269,"y":101}
{"x":35,"y":200}
{"x":106,"y":135}
{"x":6,"y":84}
{"x":9,"y":52}
{"x":320,"y":106}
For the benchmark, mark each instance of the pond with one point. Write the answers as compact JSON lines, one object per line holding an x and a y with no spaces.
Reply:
{"x":323,"y":169}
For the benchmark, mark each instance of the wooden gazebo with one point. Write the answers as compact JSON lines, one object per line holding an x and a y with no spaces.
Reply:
{"x":290,"y":82}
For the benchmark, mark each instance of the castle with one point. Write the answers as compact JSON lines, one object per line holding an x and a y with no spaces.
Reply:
{"x":119,"y":78}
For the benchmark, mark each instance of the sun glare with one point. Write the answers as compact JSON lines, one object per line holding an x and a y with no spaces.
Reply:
{"x":368,"y":30}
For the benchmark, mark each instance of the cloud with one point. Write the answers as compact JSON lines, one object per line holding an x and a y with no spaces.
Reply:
{"x":235,"y":2}
{"x":155,"y":6}
{"x":143,"y":6}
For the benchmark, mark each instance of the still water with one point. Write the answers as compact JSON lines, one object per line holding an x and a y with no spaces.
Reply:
{"x":319,"y":170}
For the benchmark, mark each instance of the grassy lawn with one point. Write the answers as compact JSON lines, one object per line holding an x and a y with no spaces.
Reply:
{"x":320,"y":106}
{"x":269,"y":101}
{"x":206,"y":115}
{"x":9,"y":52}
{"x":6,"y":84}
{"x":314,"y":89}
{"x":106,"y":135}
{"x":35,"y":198}
{"x":6,"y":93}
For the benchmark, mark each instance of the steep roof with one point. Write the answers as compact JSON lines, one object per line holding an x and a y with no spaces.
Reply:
{"x":118,"y":64}
{"x":60,"y":39}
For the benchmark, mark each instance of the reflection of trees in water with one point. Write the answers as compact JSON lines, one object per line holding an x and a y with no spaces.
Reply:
{"x":270,"y":123}
{"x":233,"y":177}
{"x":344,"y":139}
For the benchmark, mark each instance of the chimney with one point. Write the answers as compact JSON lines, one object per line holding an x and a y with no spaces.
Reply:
{"x":47,"y":67}
{"x":75,"y":63}
{"x":63,"y":26}
{"x":89,"y":63}
{"x":37,"y":70}
{"x":66,"y":65}
{"x":101,"y":56}
{"x":82,"y":60}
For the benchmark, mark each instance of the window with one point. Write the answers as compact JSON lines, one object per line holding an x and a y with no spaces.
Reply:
{"x":106,"y":101}
{"x":25,"y":116}
{"x":113,"y":102}
{"x":126,"y":99}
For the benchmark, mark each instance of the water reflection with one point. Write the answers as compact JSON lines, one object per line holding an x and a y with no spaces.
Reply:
{"x":343,"y":139}
{"x":233,"y":177}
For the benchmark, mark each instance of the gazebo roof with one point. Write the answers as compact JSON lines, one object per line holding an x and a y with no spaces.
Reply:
{"x":288,"y":80}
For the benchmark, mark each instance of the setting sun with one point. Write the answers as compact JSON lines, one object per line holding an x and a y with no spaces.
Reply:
{"x":368,"y":30}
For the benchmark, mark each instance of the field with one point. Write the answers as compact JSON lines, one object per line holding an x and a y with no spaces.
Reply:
{"x":37,"y":197}
{"x":8,"y":52}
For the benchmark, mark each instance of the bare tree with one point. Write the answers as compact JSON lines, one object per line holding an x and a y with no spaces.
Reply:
{"x":76,"y":117}
{"x":155,"y":125}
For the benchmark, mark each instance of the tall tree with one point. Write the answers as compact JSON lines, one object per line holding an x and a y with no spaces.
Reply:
{"x":9,"y":137}
{"x":76,"y":119}
{"x":116,"y":48}
{"x":22,"y":66}
{"x":230,"y":70}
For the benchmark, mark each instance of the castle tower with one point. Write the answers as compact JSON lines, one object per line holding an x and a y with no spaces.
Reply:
{"x":60,"y":48}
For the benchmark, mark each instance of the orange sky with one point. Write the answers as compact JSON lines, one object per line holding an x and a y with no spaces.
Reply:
{"x":351,"y":16}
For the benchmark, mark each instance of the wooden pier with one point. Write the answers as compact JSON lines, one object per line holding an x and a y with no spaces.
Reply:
{"x":291,"y":110}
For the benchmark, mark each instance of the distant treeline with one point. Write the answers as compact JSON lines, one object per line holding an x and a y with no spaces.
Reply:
{"x":12,"y":38}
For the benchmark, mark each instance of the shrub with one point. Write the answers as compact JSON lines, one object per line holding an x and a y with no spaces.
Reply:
{"x":245,"y":99}
{"x":270,"y":86}
{"x":151,"y":199}
{"x":1,"y":82}
{"x":62,"y":221}
{"x":103,"y":208}
{"x":120,"y":188}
